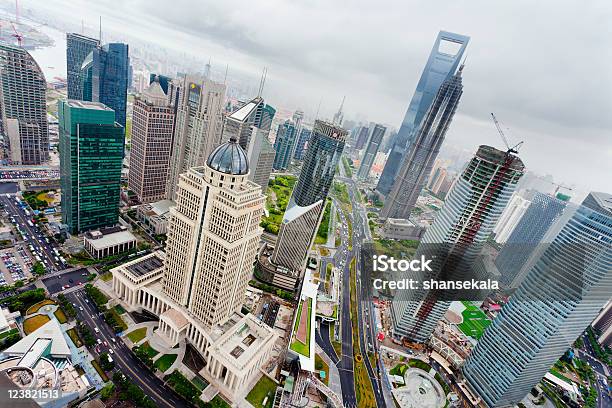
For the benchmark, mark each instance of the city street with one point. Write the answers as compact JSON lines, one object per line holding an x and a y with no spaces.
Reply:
{"x":59,"y":282}
{"x":125,"y":360}
{"x":34,"y":237}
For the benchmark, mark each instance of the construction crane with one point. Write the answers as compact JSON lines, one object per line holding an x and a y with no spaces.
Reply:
{"x":559,"y":185}
{"x":513,"y":149}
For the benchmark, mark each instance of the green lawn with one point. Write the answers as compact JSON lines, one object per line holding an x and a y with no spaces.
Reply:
{"x":321,"y":365}
{"x":60,"y":316}
{"x":32,"y":323}
{"x":72,"y":333}
{"x":137,"y":335}
{"x":321,"y":237}
{"x":297,"y":345}
{"x":264,"y":387}
{"x":278,"y":193}
{"x":148,"y":349}
{"x":474,"y":321}
{"x":164,"y":362}
{"x":8,"y":333}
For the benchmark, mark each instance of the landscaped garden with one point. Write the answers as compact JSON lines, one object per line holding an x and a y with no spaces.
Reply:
{"x":164,"y":362}
{"x":32,"y":323}
{"x":72,"y":333}
{"x":322,"y":232}
{"x":474,"y":321}
{"x":137,"y":335}
{"x":321,"y":365}
{"x":278,"y":194}
{"x":60,"y":316}
{"x":301,"y":329}
{"x":265,"y":387}
{"x":37,"y":306}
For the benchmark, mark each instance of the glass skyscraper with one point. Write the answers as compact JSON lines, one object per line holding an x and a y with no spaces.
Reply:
{"x":300,"y":147}
{"x":443,"y":61}
{"x":284,"y":143}
{"x":23,"y":114}
{"x":78,"y":47}
{"x":543,"y":211}
{"x":422,"y":153}
{"x":104,"y":78}
{"x":91,"y":157}
{"x":371,"y":150}
{"x":570,"y":280}
{"x":455,"y":239}
{"x":323,"y":155}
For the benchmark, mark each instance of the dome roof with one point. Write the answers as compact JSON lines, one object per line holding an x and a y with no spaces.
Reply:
{"x":229,"y":158}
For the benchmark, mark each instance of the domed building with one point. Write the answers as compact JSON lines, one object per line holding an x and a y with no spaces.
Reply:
{"x":199,"y":286}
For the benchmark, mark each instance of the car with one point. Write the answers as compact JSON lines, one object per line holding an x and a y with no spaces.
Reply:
{"x":113,"y":340}
{"x":96,"y":330}
{"x":81,"y":308}
{"x":80,"y":283}
{"x":71,"y":280}
{"x":67,"y":286}
{"x":86,"y":301}
{"x":105,"y":343}
{"x":99,"y":341}
{"x":111,"y":351}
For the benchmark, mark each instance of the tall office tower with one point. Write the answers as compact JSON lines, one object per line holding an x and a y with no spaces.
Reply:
{"x":199,"y":124}
{"x":457,"y":236}
{"x":568,"y":282}
{"x":362,"y":137}
{"x":23,"y":105}
{"x":78,"y":48}
{"x":441,"y":65}
{"x":261,"y":155}
{"x":104,"y":78}
{"x":542,"y":212}
{"x":339,"y":116}
{"x":213,"y":236}
{"x":603,"y":324}
{"x":423,"y":150}
{"x":304,"y":210}
{"x":152,"y":132}
{"x":370,"y":154}
{"x":512,"y":215}
{"x":263,"y":117}
{"x":300,"y":146}
{"x":283,"y":144}
{"x":239,"y":124}
{"x":91,"y":157}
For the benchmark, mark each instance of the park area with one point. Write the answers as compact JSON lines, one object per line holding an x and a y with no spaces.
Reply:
{"x":474,"y":321}
{"x":265,"y":387}
{"x":278,"y":194}
{"x":301,"y":329}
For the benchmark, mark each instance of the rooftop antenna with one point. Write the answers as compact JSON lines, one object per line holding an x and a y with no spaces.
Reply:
{"x":82,"y":26}
{"x":226,"y":69}
{"x":100,"y":36}
{"x":262,"y":81}
{"x":318,"y":108}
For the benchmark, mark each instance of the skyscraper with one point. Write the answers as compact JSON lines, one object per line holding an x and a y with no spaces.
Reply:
{"x":305,"y":207}
{"x":300,"y":146}
{"x":91,"y":156}
{"x":371,"y":150}
{"x":362,"y":137}
{"x":199,"y":124}
{"x":423,"y":150}
{"x":512,"y":215}
{"x":284,"y":144}
{"x":239,"y":124}
{"x":23,"y":106}
{"x":213,"y":236}
{"x":261,"y":158}
{"x":104,"y":78}
{"x":263,"y":117}
{"x":441,"y":65}
{"x":570,"y":280}
{"x":457,"y":235}
{"x":152,"y":131}
{"x":198,"y":286}
{"x":78,"y":48}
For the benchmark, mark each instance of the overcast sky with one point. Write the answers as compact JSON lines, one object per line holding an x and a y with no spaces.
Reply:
{"x":544,"y":67}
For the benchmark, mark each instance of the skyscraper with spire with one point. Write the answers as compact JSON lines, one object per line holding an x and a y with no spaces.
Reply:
{"x":457,"y":236}
{"x":442,"y":64}
{"x":339,"y":116}
{"x":423,"y":151}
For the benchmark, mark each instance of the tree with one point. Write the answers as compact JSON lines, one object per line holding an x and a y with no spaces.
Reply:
{"x":107,"y":391}
{"x":38,"y":268}
{"x":106,"y":363}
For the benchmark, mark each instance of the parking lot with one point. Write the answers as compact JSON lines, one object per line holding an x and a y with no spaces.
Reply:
{"x":15,"y":264}
{"x":66,"y":280}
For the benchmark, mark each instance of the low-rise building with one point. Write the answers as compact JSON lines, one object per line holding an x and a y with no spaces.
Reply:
{"x":109,"y":241}
{"x":398,"y":228}
{"x":7,"y":320}
{"x":155,"y":215}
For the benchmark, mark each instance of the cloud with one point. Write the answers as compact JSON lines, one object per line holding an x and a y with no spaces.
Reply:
{"x":545,"y":68}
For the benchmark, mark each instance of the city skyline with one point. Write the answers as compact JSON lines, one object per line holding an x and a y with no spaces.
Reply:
{"x":546,"y":124}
